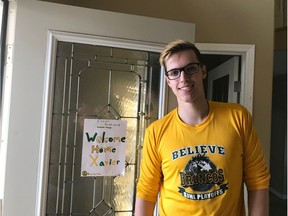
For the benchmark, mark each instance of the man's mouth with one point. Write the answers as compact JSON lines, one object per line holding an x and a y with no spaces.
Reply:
{"x":185,"y":88}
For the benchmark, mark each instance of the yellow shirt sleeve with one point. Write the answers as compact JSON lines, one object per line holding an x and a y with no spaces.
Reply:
{"x":256,"y":173}
{"x":150,"y":171}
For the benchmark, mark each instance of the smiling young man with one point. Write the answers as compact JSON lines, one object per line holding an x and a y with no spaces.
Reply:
{"x":200,"y":154}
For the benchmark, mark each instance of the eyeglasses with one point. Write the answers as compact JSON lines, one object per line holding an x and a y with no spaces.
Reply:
{"x":189,"y":69}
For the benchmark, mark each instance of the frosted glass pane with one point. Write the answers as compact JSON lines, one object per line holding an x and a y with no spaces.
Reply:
{"x":131,"y":140}
{"x":93,"y":90}
{"x":124,"y":190}
{"x":125,"y":90}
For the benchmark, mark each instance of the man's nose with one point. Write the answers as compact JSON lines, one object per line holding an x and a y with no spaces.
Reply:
{"x":183,"y":75}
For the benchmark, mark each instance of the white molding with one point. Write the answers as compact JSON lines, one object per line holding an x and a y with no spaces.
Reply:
{"x":41,"y":196}
{"x":247,"y":53}
{"x":106,"y":41}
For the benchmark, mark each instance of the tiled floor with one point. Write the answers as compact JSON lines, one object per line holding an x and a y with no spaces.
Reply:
{"x":278,"y":207}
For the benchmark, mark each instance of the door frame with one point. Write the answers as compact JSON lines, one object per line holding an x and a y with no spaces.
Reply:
{"x":247,"y":53}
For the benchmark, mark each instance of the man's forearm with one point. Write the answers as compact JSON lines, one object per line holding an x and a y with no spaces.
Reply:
{"x":143,"y":207}
{"x":258,"y":202}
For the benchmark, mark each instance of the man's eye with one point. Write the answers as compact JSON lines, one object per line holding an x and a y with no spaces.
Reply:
{"x":174,"y":72}
{"x":191,"y":69}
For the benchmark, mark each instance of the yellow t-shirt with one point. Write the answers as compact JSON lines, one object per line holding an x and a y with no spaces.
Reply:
{"x":200,"y":170}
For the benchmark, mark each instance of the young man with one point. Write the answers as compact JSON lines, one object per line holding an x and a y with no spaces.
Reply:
{"x":200,"y":154}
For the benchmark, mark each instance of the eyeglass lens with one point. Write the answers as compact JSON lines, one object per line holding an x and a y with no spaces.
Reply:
{"x":189,"y":69}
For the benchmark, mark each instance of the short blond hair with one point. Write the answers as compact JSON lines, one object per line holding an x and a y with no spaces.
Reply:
{"x":178,"y":46}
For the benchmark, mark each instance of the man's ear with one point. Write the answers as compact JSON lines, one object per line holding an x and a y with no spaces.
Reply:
{"x":168,"y":81}
{"x":204,"y":71}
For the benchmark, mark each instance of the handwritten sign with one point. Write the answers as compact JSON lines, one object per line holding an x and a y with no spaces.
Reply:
{"x":103,"y":151}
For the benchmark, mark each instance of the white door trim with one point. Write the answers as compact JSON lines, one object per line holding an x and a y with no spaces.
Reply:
{"x":247,"y":53}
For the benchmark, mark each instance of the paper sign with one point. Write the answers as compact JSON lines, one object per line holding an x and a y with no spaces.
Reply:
{"x":103,"y":151}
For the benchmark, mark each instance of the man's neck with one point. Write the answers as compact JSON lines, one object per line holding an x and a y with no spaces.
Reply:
{"x":193,"y":113}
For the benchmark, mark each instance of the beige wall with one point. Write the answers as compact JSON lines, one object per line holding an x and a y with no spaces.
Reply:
{"x":222,"y":21}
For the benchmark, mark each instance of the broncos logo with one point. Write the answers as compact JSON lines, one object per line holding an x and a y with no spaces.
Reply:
{"x":198,"y":168}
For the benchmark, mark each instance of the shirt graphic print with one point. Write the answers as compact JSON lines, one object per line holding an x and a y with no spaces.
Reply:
{"x":201,"y":179}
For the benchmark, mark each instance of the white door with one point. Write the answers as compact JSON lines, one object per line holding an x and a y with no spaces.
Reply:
{"x":223,"y":82}
{"x":32,"y":84}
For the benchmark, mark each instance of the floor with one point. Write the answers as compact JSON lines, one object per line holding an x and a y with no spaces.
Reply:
{"x":278,"y":207}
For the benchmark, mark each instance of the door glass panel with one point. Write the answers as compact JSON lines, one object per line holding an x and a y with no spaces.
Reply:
{"x":102,"y":83}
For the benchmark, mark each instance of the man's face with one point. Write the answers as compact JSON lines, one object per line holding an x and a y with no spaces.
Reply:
{"x":187,"y":88}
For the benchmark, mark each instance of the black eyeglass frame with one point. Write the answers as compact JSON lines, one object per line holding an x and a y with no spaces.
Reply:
{"x":184,"y":69}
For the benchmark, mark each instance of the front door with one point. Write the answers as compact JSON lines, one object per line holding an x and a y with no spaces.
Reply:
{"x":98,"y":82}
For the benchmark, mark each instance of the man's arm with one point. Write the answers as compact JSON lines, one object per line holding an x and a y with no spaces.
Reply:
{"x":143,"y":207}
{"x":258,"y":202}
